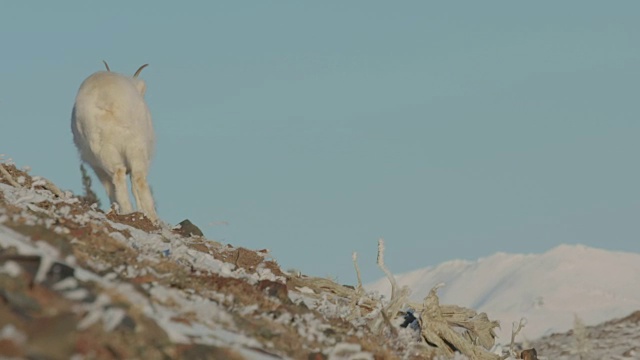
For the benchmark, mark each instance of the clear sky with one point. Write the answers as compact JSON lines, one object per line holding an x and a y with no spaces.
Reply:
{"x":451,"y":129}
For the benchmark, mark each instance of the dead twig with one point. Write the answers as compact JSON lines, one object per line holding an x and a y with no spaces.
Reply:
{"x":51,"y":187}
{"x":515,"y":329}
{"x":8,"y":176}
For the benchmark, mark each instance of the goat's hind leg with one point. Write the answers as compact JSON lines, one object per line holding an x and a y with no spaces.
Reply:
{"x":121,"y":191}
{"x":142,"y":194}
{"x":105,"y":179}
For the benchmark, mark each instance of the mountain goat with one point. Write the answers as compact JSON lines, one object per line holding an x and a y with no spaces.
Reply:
{"x":112,"y":130}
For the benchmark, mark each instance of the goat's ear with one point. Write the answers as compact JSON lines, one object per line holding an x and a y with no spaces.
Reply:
{"x":141,"y":86}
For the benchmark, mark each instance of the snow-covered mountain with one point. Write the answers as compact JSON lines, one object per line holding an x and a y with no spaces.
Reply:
{"x":547,"y":289}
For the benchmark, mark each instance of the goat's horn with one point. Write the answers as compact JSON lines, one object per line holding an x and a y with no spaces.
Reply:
{"x":106,"y":65}
{"x":140,"y":69}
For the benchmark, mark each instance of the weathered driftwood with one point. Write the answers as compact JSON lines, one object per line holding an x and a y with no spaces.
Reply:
{"x":475,"y":335}
{"x":448,"y":328}
{"x":445,"y":328}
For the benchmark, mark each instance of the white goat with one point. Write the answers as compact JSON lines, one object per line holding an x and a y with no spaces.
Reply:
{"x":112,"y":129}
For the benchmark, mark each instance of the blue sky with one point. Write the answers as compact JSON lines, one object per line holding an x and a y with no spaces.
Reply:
{"x":451,"y":129}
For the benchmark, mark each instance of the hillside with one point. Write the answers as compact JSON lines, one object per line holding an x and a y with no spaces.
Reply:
{"x":613,"y":339}
{"x":76,"y":282}
{"x":547,"y":289}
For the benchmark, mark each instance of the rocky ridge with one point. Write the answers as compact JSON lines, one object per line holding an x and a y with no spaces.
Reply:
{"x":78,"y":283}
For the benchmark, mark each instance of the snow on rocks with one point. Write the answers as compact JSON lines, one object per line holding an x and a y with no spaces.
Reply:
{"x":71,"y":265}
{"x":116,"y":284}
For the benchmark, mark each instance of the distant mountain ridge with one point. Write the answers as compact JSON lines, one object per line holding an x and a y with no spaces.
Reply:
{"x":547,"y":289}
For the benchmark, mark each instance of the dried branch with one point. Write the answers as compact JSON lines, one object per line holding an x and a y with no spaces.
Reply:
{"x":8,"y":176}
{"x":54,"y":189}
{"x":384,"y":268}
{"x":515,"y":330}
{"x":354,"y":257}
{"x":358,"y":293}
{"x":398,"y":299}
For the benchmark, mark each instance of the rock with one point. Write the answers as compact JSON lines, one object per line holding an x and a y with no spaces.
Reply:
{"x":186,"y":228}
{"x":529,"y":354}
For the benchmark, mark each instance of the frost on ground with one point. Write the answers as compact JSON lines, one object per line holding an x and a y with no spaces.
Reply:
{"x":78,"y":283}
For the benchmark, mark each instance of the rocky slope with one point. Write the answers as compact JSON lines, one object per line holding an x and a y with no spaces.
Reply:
{"x":611,"y":340}
{"x":78,"y":283}
{"x":75,"y":281}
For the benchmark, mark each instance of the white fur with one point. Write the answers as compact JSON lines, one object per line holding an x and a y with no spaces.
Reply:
{"x":112,"y":129}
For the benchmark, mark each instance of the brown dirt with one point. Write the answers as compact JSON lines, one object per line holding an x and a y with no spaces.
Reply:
{"x":248,"y":260}
{"x":137,"y":220}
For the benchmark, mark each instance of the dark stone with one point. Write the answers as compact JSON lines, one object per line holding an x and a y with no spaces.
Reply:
{"x":127,"y":324}
{"x":530,"y":354}
{"x":58,"y":272}
{"x":186,"y":228}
